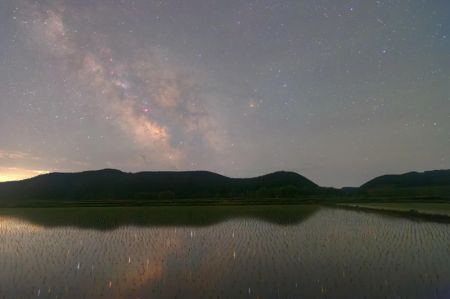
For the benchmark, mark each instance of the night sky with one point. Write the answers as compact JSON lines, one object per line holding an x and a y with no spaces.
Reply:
{"x":338,"y":91}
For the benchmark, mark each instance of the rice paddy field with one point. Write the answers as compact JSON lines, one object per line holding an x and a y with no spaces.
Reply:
{"x":220,"y":252}
{"x":425,"y":208}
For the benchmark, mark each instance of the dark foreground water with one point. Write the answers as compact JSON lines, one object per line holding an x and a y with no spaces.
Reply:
{"x":220,"y":252}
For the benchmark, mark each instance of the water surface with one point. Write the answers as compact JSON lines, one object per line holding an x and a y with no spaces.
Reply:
{"x":220,"y":252}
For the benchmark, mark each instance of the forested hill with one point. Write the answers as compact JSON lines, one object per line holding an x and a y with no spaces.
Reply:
{"x":110,"y":184}
{"x":115,"y":184}
{"x":411,"y":179}
{"x":428,"y":184}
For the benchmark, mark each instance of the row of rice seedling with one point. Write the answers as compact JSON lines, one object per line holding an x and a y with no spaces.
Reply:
{"x":333,"y":254}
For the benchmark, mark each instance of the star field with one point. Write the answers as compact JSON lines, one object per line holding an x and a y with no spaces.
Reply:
{"x":339,"y":91}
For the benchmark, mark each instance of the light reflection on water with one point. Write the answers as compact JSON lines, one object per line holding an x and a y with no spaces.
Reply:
{"x":232,"y":252}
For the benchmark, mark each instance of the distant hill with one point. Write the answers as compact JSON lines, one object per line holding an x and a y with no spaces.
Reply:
{"x":435,"y":183}
{"x":411,"y":179}
{"x":110,"y":184}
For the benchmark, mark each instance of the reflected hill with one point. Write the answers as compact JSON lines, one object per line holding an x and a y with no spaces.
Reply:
{"x":108,"y":218}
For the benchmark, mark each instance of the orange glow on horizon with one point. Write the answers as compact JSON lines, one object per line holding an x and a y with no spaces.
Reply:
{"x":15,"y":174}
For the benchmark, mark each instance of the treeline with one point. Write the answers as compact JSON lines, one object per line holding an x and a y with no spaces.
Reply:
{"x":288,"y":191}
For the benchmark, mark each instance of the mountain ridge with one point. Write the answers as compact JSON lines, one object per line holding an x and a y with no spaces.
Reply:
{"x":437,"y":177}
{"x":113,"y":184}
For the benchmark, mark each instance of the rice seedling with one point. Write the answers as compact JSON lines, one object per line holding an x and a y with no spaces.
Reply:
{"x":333,"y":254}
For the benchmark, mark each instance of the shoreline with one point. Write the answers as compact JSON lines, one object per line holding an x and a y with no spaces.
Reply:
{"x":406,"y":213}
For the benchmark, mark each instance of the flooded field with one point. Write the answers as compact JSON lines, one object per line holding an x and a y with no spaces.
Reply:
{"x":220,"y":252}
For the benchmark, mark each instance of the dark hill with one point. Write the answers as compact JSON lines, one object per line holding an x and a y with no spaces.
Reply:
{"x":411,"y":179}
{"x":114,"y":184}
{"x":412,"y":185}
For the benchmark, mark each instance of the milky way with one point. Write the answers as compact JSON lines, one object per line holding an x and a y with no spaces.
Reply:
{"x":339,"y":91}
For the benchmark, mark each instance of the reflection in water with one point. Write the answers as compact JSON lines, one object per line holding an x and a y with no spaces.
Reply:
{"x":323,"y":253}
{"x":113,"y":217}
